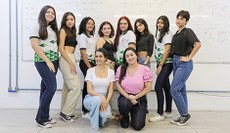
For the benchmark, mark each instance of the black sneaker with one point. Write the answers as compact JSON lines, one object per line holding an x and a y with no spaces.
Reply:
{"x":181,"y":121}
{"x":51,"y":121}
{"x":174,"y":121}
{"x":124,"y":121}
{"x":44,"y":124}
{"x":66,"y":118}
{"x":184,"y":120}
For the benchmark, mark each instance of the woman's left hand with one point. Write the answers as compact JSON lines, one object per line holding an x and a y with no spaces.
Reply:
{"x":104,"y":104}
{"x":132,"y":97}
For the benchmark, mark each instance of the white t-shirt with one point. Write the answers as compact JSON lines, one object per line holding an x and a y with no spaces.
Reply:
{"x":160,"y":47}
{"x":89,"y":44}
{"x":100,"y":85}
{"x":124,"y":41}
{"x":49,"y":45}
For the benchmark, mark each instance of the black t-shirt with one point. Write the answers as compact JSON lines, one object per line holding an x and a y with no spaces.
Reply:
{"x":145,"y":43}
{"x":183,"y":42}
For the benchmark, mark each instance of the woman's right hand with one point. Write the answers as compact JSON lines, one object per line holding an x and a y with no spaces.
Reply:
{"x":134,"y":102}
{"x":72,"y":69}
{"x":51,"y":66}
{"x":159,"y":68}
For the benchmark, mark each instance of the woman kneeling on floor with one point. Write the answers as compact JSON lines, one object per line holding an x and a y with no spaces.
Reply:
{"x":133,"y":82}
{"x":100,"y":85}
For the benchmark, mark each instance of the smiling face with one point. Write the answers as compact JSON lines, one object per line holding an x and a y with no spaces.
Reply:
{"x":49,"y":15}
{"x":130,"y":57}
{"x":100,"y":58}
{"x":140,"y":27}
{"x":90,"y":25}
{"x":123,"y":25}
{"x":70,"y":21}
{"x":106,"y":30}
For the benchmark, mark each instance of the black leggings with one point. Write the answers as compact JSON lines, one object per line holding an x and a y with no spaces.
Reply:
{"x":162,"y":82}
{"x":84,"y":69}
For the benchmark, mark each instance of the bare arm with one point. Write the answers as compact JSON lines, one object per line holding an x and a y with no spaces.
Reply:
{"x":111,"y":91}
{"x":100,"y":43}
{"x":121,"y":90}
{"x":164,"y":57}
{"x":148,"y":87}
{"x":85,"y":58}
{"x":197,"y":46}
{"x":63,"y":52}
{"x":133,"y":98}
{"x":147,"y":60}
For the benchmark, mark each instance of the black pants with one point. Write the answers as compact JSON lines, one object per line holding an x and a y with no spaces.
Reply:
{"x":84,"y":69}
{"x":137,"y":111}
{"x":162,"y":82}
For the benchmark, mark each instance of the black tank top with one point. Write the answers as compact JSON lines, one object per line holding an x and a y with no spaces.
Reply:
{"x":71,"y":41}
{"x":110,"y":49}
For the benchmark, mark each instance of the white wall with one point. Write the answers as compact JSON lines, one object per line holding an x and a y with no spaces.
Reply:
{"x":206,"y":74}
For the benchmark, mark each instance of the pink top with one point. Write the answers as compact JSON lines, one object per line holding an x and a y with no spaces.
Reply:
{"x":135,"y":84}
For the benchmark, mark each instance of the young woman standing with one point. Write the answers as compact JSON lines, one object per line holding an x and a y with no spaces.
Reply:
{"x":164,"y":68}
{"x":124,"y":38}
{"x":144,"y":42}
{"x":106,"y":32}
{"x":87,"y":45}
{"x":44,"y":41}
{"x":185,"y":45}
{"x":67,"y":65}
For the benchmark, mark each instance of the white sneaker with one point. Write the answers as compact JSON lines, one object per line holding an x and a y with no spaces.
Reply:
{"x":168,"y":115}
{"x":85,"y":116}
{"x":156,"y":118}
{"x":112,"y":117}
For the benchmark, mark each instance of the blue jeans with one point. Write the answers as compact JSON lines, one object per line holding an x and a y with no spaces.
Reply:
{"x":181,"y":72}
{"x":48,"y":88}
{"x":141,"y":60}
{"x":97,"y":118}
{"x":162,"y":82}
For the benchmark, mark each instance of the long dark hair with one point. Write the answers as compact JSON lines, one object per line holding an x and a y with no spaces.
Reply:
{"x":119,"y":32}
{"x":146,"y":30}
{"x":43,"y":33}
{"x":101,"y":27}
{"x":164,"y":30}
{"x":71,"y":32}
{"x":125,"y":64}
{"x":82,"y":27}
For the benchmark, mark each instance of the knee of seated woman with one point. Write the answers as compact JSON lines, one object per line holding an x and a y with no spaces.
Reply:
{"x":97,"y":100}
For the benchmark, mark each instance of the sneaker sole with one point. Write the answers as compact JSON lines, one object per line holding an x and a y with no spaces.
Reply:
{"x":52,"y":121}
{"x":71,"y":120}
{"x":178,"y":123}
{"x":44,"y":126}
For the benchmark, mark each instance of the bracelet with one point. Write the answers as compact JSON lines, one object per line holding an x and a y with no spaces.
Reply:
{"x":160,"y":64}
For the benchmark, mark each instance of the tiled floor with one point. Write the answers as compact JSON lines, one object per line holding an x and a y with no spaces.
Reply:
{"x":22,"y":121}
